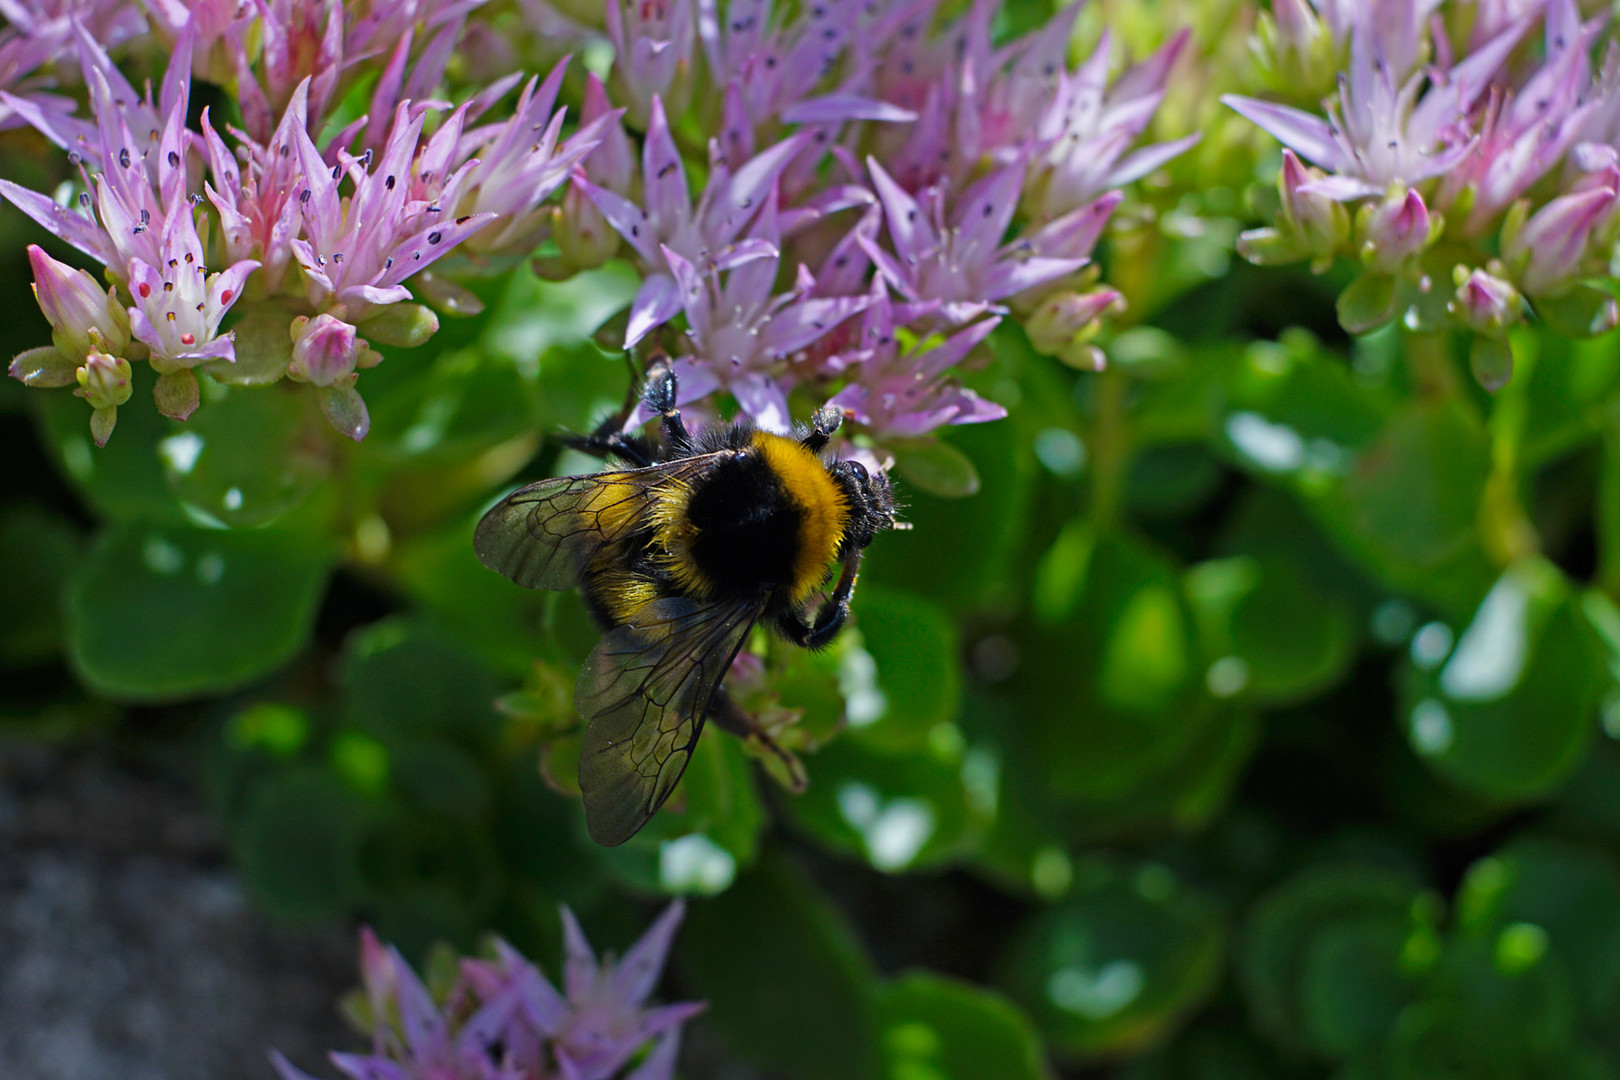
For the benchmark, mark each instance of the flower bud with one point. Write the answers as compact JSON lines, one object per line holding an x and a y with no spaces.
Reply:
{"x":104,"y":381}
{"x":1549,"y":249}
{"x":1396,"y":230}
{"x":584,"y":238}
{"x":83,"y":316}
{"x":1484,"y":302}
{"x":1061,"y":318}
{"x":325,"y":350}
{"x":1320,"y":225}
{"x":403,"y":326}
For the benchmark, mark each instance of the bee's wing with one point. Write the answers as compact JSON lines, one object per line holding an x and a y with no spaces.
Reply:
{"x":543,"y":536}
{"x":643,"y":694}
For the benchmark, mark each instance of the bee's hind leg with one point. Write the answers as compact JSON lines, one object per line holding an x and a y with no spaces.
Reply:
{"x":729,"y":716}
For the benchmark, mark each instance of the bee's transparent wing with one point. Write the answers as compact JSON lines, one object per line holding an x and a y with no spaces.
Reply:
{"x":643,"y":694}
{"x":544,"y":535}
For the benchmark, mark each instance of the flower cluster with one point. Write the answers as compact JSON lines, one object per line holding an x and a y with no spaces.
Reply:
{"x":504,"y":1019}
{"x":321,"y":234}
{"x":866,"y":158}
{"x":1481,"y":161}
{"x":877,"y":158}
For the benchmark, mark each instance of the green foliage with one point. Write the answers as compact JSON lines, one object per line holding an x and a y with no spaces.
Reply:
{"x":1247,"y":711}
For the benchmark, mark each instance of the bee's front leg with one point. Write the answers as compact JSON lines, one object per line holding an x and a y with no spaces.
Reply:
{"x":660,"y":397}
{"x":830,"y":619}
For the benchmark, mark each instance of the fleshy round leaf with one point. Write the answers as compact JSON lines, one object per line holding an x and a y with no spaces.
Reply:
{"x":159,"y":613}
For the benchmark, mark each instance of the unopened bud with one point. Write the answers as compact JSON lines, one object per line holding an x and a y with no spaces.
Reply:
{"x":104,"y":381}
{"x":83,"y":316}
{"x":1396,"y":230}
{"x":1549,"y":249}
{"x":325,"y":350}
{"x":1059,"y":320}
{"x":400,"y":326}
{"x":1484,"y":302}
{"x":1319,"y":225}
{"x":584,"y":238}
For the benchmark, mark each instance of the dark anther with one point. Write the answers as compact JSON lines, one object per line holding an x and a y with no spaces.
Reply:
{"x":435,"y":236}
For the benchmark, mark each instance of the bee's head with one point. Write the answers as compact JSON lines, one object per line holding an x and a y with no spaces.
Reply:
{"x":871,"y":503}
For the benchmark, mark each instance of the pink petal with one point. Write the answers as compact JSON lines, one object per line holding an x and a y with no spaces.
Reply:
{"x":1307,"y":134}
{"x":657,"y":301}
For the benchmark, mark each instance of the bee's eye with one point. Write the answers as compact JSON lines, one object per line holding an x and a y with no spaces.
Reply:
{"x":858,"y":469}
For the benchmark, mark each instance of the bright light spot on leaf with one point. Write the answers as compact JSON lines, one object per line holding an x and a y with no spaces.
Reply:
{"x":362,"y":761}
{"x":233,"y":499}
{"x":1099,"y":994}
{"x":981,"y":781}
{"x":1147,"y":654}
{"x":1274,"y":447}
{"x":695,"y":864}
{"x":1431,"y":727}
{"x":1491,"y":653}
{"x":181,"y":451}
{"x":1611,"y":715}
{"x":1060,"y":450}
{"x":1431,"y":644}
{"x":210,"y":568}
{"x":895,"y":833}
{"x":864,"y":700}
{"x":281,"y":729}
{"x":1392,"y":621}
{"x":78,"y":459}
{"x":1228,"y":676}
{"x":162,"y":557}
{"x":1051,"y":872}
{"x":1520,"y":947}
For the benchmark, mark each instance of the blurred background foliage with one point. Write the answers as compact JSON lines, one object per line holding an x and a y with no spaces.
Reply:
{"x":1257,"y":716}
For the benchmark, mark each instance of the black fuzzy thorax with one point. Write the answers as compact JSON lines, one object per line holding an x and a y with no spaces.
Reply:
{"x":747,"y":527}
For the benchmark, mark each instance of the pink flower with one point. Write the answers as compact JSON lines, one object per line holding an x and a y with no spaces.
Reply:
{"x":1396,"y":230}
{"x":669,"y":222}
{"x":1380,"y":131}
{"x":901,"y":395}
{"x":358,"y":250}
{"x":504,"y":1019}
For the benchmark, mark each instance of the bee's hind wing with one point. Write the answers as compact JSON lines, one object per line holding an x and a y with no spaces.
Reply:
{"x":543,"y":536}
{"x":644,"y":693}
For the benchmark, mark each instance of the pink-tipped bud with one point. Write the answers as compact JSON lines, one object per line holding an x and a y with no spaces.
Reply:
{"x":104,"y":381}
{"x":1549,"y":249}
{"x":325,"y":350}
{"x":1059,"y":320}
{"x":1318,"y":224}
{"x":1484,"y":302}
{"x":1396,"y":230}
{"x":584,"y":238}
{"x":83,"y":316}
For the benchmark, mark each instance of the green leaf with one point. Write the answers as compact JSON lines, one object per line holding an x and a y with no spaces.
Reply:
{"x":158,"y":613}
{"x":299,"y":841}
{"x":788,"y":987}
{"x":938,"y":468}
{"x":1123,"y":656}
{"x":38,"y":551}
{"x":247,"y":456}
{"x":1568,"y":892}
{"x":1367,"y":304}
{"x":263,"y":348}
{"x":897,"y":811}
{"x":1274,"y":637}
{"x":937,"y":1027}
{"x":1288,"y":939}
{"x":405,"y":679}
{"x":1113,"y":968}
{"x":1582,"y":312}
{"x":123,"y":480}
{"x":1353,"y":986}
{"x":1508,"y":715}
{"x":914,"y":647}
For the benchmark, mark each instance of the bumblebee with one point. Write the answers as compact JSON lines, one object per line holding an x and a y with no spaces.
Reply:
{"x":678,"y":557}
